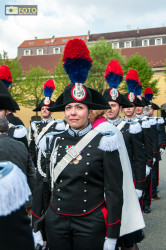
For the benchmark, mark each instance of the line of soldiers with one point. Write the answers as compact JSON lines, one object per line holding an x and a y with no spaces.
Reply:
{"x":143,"y":137}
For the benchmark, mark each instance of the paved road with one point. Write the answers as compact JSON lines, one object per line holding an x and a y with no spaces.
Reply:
{"x":155,"y":231}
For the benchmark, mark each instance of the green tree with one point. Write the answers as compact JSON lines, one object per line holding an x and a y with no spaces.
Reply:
{"x":16,"y":72}
{"x":145,"y":73}
{"x":101,"y":53}
{"x":31,"y":89}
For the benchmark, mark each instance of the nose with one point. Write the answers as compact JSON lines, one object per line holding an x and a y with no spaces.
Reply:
{"x":73,"y":111}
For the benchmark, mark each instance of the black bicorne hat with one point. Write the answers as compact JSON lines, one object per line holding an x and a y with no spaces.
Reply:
{"x":6,"y":100}
{"x":93,"y":99}
{"x":49,"y":87}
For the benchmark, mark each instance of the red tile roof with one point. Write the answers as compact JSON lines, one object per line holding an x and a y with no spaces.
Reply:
{"x":47,"y":62}
{"x":128,"y":34}
{"x":155,"y":55}
{"x":49,"y":42}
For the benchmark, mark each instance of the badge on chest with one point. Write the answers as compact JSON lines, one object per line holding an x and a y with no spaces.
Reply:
{"x":78,"y":158}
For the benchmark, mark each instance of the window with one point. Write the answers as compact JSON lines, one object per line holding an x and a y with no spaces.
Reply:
{"x":56,"y":50}
{"x":115,"y":45}
{"x":31,"y":42}
{"x":47,"y":41}
{"x":39,"y":51}
{"x":64,"y":40}
{"x":82,"y":38}
{"x":27,"y":52}
{"x":145,"y":42}
{"x":128,"y":44}
{"x":158,"y":41}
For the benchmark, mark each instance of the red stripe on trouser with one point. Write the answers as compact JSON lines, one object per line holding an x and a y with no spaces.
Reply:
{"x":134,"y":182}
{"x":158,"y":174}
{"x":104,"y":211}
{"x":150,"y":186}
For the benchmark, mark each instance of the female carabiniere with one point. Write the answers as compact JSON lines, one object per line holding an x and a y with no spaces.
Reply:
{"x":79,"y":216}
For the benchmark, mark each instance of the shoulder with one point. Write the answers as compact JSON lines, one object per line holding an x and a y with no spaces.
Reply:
{"x":160,"y":120}
{"x":135,"y":128}
{"x":109,"y":141}
{"x":19,"y":131}
{"x":60,"y":124}
{"x":152,"y":120}
{"x":34,"y":124}
{"x":145,"y":123}
{"x":50,"y":137}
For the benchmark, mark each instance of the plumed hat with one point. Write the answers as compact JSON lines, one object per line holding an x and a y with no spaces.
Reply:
{"x":49,"y":88}
{"x":132,"y":80}
{"x":148,"y":93}
{"x":77,"y":63}
{"x":6,"y":78}
{"x":6,"y":101}
{"x":114,"y":76}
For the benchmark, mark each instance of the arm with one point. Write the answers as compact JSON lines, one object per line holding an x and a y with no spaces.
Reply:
{"x":147,"y":136}
{"x":113,"y":178}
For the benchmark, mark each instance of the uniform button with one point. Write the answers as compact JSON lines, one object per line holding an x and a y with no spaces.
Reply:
{"x":58,"y":190}
{"x":59,"y":154}
{"x":60,"y":146}
{"x":58,"y":209}
{"x":85,"y":200}
{"x":59,"y":199}
{"x":87,"y":163}
{"x":86,"y":173}
{"x":84,"y":211}
{"x":60,"y":181}
{"x":89,"y":146}
{"x":85,"y":182}
{"x":88,"y":154}
{"x":85,"y":191}
{"x":63,"y":138}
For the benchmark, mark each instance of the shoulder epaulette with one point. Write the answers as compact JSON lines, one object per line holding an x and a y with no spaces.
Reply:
{"x":33,"y":124}
{"x":109,"y":141}
{"x":135,"y":128}
{"x":50,"y":136}
{"x":145,"y":124}
{"x":19,"y":131}
{"x":152,"y":121}
{"x":160,"y":120}
{"x":60,"y":124}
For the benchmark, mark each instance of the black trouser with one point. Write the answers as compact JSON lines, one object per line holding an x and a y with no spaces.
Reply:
{"x":155,"y":178}
{"x":148,"y":190}
{"x":75,"y":232}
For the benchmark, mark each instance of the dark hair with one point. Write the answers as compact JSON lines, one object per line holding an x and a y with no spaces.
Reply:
{"x":3,"y":124}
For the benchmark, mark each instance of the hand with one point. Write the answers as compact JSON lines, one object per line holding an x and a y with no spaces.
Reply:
{"x":38,"y":239}
{"x":148,"y":170}
{"x":29,"y":211}
{"x":110,"y":244}
{"x":154,"y":160}
{"x":139,"y":193}
{"x":161,"y":151}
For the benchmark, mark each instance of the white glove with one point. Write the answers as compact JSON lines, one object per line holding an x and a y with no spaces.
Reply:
{"x":148,"y":170}
{"x":38,"y":239}
{"x":139,"y":193}
{"x":110,"y":244}
{"x":154,"y":160}
{"x":161,"y":151}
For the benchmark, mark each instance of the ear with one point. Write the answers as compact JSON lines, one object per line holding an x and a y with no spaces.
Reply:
{"x":121,"y":109}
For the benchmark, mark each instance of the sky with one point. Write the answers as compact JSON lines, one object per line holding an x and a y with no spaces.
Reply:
{"x":75,"y":17}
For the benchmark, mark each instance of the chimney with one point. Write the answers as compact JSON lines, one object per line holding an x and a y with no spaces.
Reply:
{"x":137,"y":30}
{"x":53,"y":39}
{"x":88,"y":34}
{"x":35,"y":37}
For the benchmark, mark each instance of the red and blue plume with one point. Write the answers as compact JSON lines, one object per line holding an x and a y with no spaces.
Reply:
{"x":138,"y":89}
{"x":148,"y":93}
{"x":114,"y":74}
{"x":5,"y":75}
{"x":49,"y":87}
{"x":132,"y":80}
{"x":77,"y":60}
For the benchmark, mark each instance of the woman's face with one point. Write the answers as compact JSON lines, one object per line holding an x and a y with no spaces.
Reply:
{"x":77,"y":115}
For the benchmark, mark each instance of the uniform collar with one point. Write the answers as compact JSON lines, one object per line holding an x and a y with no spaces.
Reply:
{"x":79,"y":132}
{"x":47,"y":120}
{"x":140,"y":116}
{"x":129,"y":119}
{"x":115,"y":122}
